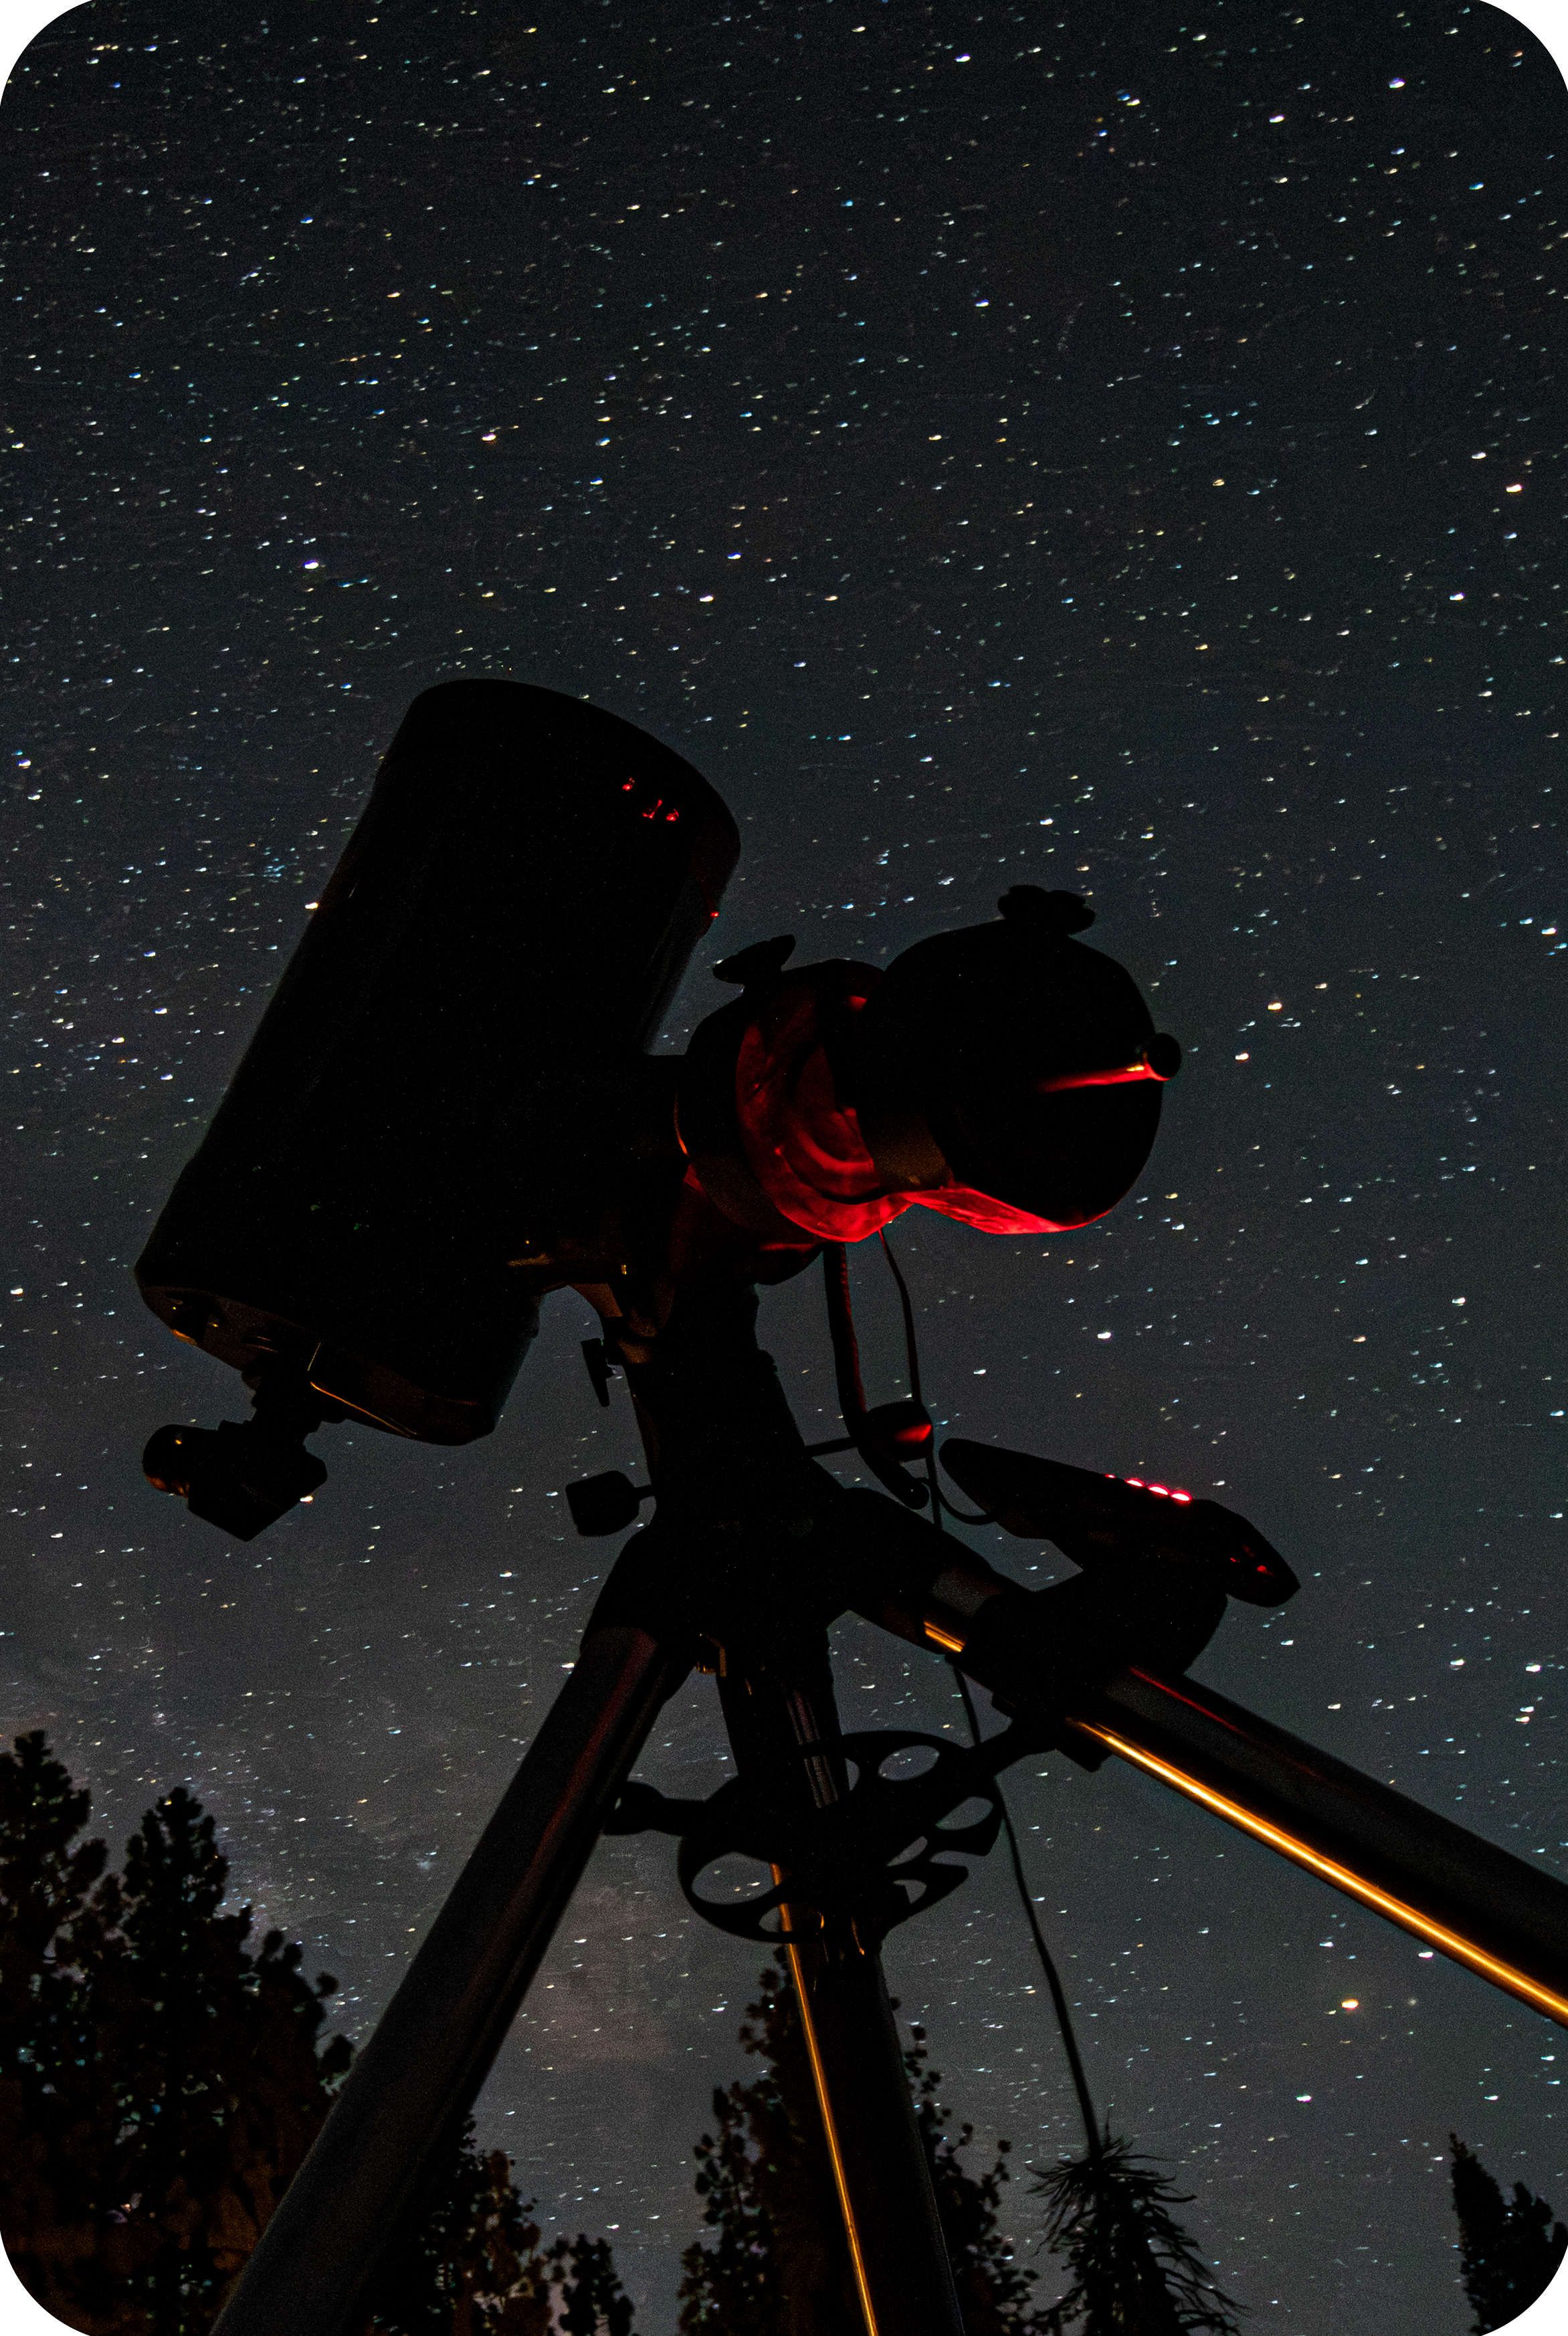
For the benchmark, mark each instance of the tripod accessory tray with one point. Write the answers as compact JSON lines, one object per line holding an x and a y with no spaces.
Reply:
{"x":874,"y":1858}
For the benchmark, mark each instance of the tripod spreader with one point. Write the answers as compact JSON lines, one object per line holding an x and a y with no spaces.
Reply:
{"x":871,"y":1858}
{"x":783,"y":1723}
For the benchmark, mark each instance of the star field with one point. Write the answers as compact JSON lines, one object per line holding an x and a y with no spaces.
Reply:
{"x":1119,"y":452}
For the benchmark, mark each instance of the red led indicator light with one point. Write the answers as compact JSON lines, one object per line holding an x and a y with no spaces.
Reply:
{"x":628,"y":786}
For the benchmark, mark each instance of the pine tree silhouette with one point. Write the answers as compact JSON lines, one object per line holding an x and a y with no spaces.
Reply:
{"x":993,"y":2286}
{"x":1508,"y":2252}
{"x":779,"y":2264}
{"x":160,"y":2082}
{"x":1136,"y":2271}
{"x":475,"y":2267}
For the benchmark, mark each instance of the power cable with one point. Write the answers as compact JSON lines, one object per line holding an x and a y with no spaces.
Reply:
{"x":1053,"y":1980}
{"x":983,"y":1517}
{"x":940,"y":1500}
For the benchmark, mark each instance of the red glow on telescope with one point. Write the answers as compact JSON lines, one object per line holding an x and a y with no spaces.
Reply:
{"x":1166,"y":1491}
{"x":628,"y":786}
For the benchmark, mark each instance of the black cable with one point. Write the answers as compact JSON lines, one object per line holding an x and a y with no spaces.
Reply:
{"x":910,"y":1347}
{"x":940,"y":1500}
{"x":888,"y":1473}
{"x":983,"y":1517}
{"x":842,"y":1331}
{"x":1064,"y":2017}
{"x":966,"y":1516}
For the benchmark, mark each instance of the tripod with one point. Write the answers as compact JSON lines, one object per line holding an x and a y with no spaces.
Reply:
{"x":754,"y":1551}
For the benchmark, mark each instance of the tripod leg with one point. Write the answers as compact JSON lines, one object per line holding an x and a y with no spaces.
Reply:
{"x":785,"y":1723}
{"x":415,"y":2080}
{"x":890,"y":2210}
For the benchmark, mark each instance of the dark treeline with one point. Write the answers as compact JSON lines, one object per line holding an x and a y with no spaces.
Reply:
{"x":162,"y":2080}
{"x":778,"y":2262}
{"x":1509,"y":2249}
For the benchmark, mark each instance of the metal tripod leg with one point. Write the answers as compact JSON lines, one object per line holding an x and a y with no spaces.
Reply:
{"x":414,"y":2082}
{"x":783,"y":1723}
{"x":890,"y":2211}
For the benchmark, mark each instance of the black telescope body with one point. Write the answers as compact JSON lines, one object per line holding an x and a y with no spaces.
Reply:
{"x":519,"y":900}
{"x":449,"y":1108}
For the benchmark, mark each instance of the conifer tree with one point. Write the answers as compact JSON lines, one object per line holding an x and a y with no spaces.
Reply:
{"x":160,"y":2082}
{"x":1134,"y":2270}
{"x":993,"y":2286}
{"x":475,"y":2267}
{"x":1509,"y":2251}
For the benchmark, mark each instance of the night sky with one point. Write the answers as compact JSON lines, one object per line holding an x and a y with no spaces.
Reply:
{"x":992,"y":449}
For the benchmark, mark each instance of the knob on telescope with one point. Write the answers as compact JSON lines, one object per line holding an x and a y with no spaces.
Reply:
{"x":239,"y":1478}
{"x":604,"y":1505}
{"x":902,"y":1430}
{"x":243,"y":1478}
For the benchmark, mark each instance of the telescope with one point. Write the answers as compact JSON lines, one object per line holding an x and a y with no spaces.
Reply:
{"x":450,"y":1110}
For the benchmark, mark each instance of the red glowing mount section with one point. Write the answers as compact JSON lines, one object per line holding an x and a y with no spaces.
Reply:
{"x":1164,"y":1491}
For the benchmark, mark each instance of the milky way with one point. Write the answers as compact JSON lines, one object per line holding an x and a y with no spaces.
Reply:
{"x":1119,"y":452}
